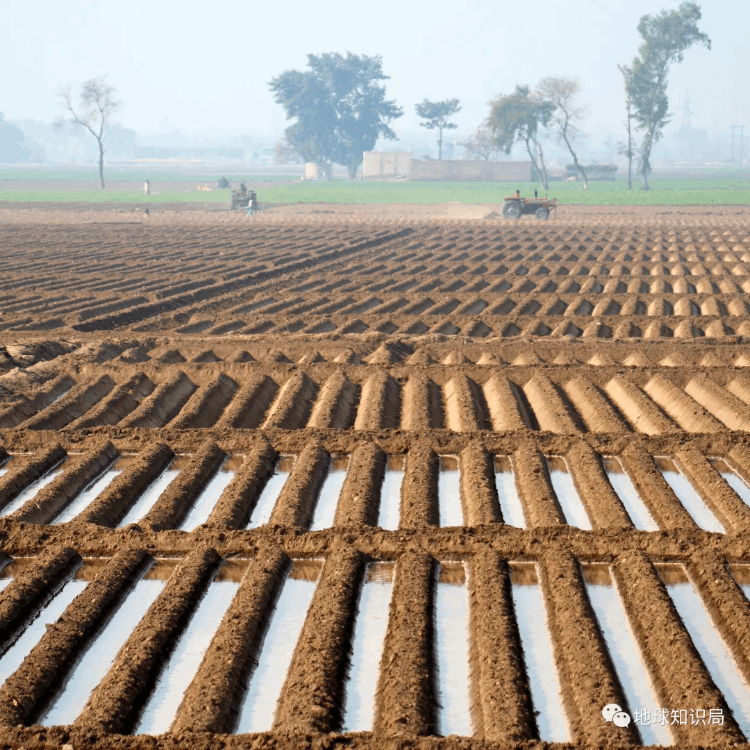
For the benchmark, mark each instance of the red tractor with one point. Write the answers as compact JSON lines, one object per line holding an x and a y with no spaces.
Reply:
{"x":515,"y":207}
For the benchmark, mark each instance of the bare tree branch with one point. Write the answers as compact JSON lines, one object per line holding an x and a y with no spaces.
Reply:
{"x":562,"y":93}
{"x":98,"y":104}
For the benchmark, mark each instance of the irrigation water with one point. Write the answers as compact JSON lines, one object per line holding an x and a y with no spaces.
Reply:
{"x":367,"y":647}
{"x":452,"y":650}
{"x":32,"y":490}
{"x":507,"y":492}
{"x":36,"y":625}
{"x":161,"y":708}
{"x":626,"y":491}
{"x":267,"y":501}
{"x":100,"y":653}
{"x":687,"y":495}
{"x":623,"y":648}
{"x":449,"y":493}
{"x":328,"y":497}
{"x":390,"y":493}
{"x":567,"y":495}
{"x":259,"y":703}
{"x":90,"y":493}
{"x":741,"y":574}
{"x":207,"y":500}
{"x":544,"y":681}
{"x":711,"y":647}
{"x":731,"y":477}
{"x":151,"y":494}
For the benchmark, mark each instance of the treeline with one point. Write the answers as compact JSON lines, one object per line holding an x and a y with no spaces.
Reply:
{"x":339,"y":105}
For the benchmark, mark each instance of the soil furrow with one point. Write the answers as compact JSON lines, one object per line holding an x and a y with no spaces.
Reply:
{"x":24,"y":693}
{"x":79,"y":472}
{"x":405,"y":700}
{"x":313,"y":693}
{"x":178,"y":498}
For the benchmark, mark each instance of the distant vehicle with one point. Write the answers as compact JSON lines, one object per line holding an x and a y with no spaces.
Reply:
{"x":516,"y":206}
{"x":240,"y":198}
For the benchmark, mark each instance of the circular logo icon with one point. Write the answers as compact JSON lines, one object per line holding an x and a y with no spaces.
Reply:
{"x":621,"y":719}
{"x":610,"y":710}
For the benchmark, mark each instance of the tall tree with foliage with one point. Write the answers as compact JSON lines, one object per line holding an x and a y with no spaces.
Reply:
{"x":518,"y":117}
{"x":567,"y":115}
{"x":666,"y":36}
{"x":339,"y":106}
{"x":97,"y":106}
{"x":626,"y":150}
{"x":436,"y":116}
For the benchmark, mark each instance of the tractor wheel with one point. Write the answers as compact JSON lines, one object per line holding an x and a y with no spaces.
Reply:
{"x":512,"y":210}
{"x":542,"y":213}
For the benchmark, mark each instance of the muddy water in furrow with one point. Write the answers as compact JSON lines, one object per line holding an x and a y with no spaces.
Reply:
{"x":100,"y":653}
{"x":270,"y":494}
{"x":151,"y":494}
{"x":6,"y":574}
{"x":36,"y":626}
{"x":452,"y":650}
{"x":711,"y":647}
{"x":367,"y":647}
{"x":626,"y":491}
{"x":449,"y":492}
{"x":161,"y":708}
{"x":206,"y":501}
{"x":32,"y":490}
{"x":390,"y":493}
{"x":544,"y":681}
{"x":259,"y":703}
{"x":507,"y":492}
{"x":732,"y":479}
{"x":328,"y":497}
{"x":623,"y":648}
{"x":741,"y":573}
{"x":90,"y":493}
{"x":688,"y":495}
{"x":567,"y":495}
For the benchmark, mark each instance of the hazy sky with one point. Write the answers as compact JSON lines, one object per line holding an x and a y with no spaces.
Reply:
{"x":197,"y":66}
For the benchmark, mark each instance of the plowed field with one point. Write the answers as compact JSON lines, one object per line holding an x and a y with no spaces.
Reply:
{"x":374,"y":478}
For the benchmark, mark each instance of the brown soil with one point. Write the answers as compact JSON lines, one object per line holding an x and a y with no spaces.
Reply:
{"x":421,"y":332}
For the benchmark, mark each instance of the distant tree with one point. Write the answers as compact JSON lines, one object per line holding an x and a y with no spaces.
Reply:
{"x":97,"y":107}
{"x":340,"y":108}
{"x":666,"y":36}
{"x":518,"y":117}
{"x":12,"y":148}
{"x":481,"y":145}
{"x":567,"y":115}
{"x":436,"y":115}
{"x":626,"y":149}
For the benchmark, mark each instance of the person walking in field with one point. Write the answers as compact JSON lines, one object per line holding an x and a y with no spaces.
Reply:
{"x":147,"y":187}
{"x":536,"y":194}
{"x":252,"y":205}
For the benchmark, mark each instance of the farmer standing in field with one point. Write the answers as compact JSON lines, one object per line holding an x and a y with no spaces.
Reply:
{"x":252,"y":205}
{"x":147,"y":187}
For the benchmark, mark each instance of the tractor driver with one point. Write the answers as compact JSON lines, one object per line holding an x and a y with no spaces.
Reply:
{"x":517,"y":195}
